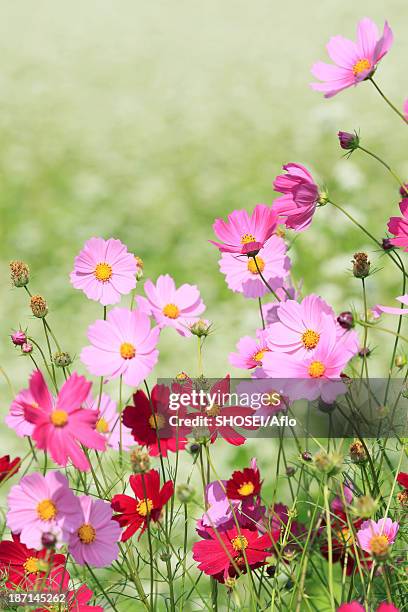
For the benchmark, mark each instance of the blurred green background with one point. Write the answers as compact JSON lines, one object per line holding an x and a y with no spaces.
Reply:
{"x":145,"y":121}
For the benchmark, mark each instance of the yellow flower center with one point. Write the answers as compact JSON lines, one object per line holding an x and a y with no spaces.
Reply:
{"x":214,"y":410}
{"x":86,"y":533}
{"x":379,"y":545}
{"x":59,"y":418}
{"x":310,"y":339}
{"x":252,"y":267}
{"x":102,"y":425}
{"x":31,"y":565}
{"x":259,"y":355}
{"x":247,"y":238}
{"x":246,"y":489}
{"x":46,"y":510}
{"x":157,"y":421}
{"x":144,"y":507}
{"x":103,"y":272}
{"x":171,"y":311}
{"x":127,"y":350}
{"x":316,"y":369}
{"x":239,"y":543}
{"x":345,"y":536}
{"x":361,"y":66}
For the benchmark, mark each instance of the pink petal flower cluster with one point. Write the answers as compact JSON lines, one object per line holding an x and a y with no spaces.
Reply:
{"x":353,"y":61}
{"x":172,"y":307}
{"x":297,"y":205}
{"x":399,"y":227}
{"x":104,"y":270}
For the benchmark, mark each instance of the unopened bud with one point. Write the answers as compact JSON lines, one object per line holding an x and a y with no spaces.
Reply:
{"x":348,"y":141}
{"x":357,"y":452}
{"x":185,"y":493}
{"x":18,"y":338}
{"x":361,"y":265}
{"x":19,"y":273}
{"x":365,"y":506}
{"x":139,"y":267}
{"x":306,"y":456}
{"x":329,"y":463}
{"x":230,"y":582}
{"x":139,"y":460}
{"x":38,"y":306}
{"x":387,"y":244}
{"x":48,"y":540}
{"x":27,"y":348}
{"x":400,"y":361}
{"x":200,"y":328}
{"x":365,"y":351}
{"x":290,"y":471}
{"x":346,"y":320}
{"x":193,"y":448}
{"x":62,"y":359}
{"x":323,"y":198}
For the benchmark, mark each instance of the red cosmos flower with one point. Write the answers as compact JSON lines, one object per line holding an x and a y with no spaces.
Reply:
{"x":77,"y":600}
{"x":244,"y":483}
{"x":8,"y":468}
{"x":342,"y":542}
{"x":150,"y":500}
{"x":402,"y":479}
{"x":148,"y":429}
{"x":215,"y":553}
{"x":23,"y":566}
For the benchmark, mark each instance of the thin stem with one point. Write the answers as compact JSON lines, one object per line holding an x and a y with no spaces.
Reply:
{"x":264,"y":279}
{"x":388,"y":101}
{"x":261,"y":313}
{"x":387,"y":166}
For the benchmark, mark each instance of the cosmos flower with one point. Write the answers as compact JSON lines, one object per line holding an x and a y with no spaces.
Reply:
{"x":250,"y":351}
{"x":61,"y":425}
{"x":77,"y":599}
{"x":8,"y":468}
{"x":95,"y":540}
{"x":391,"y":309}
{"x":353,"y":606}
{"x":40,"y":504}
{"x":108,"y":423}
{"x":150,"y":499}
{"x":402,"y":479}
{"x":244,"y":483}
{"x":353,"y":61}
{"x":376,"y":537}
{"x":171,"y":306}
{"x":123,"y":345}
{"x":15,"y":418}
{"x":104,"y":270}
{"x":243,"y":234}
{"x":399,"y":227}
{"x":286,"y":292}
{"x":297,"y":205}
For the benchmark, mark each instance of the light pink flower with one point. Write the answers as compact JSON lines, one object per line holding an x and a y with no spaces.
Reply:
{"x":390,"y":309}
{"x":40,"y":504}
{"x":104,"y":270}
{"x":95,"y":540}
{"x":286,"y":292}
{"x":108,"y":423}
{"x":241,"y":273}
{"x":399,"y":227}
{"x":172,"y":307}
{"x":250,"y":351}
{"x":16,"y":419}
{"x":61,"y":425}
{"x":297,"y":205}
{"x":354,"y":62}
{"x":243,"y":233}
{"x":370,"y":531}
{"x":123,"y":345}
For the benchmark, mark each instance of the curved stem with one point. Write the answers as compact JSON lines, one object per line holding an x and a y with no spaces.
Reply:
{"x":264,"y":279}
{"x":388,"y":101}
{"x":387,"y":166}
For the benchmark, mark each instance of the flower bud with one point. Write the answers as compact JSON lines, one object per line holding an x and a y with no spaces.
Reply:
{"x":348,"y":141}
{"x":19,"y":273}
{"x":387,"y":244}
{"x":325,"y":407}
{"x":38,"y":306}
{"x":306,"y":456}
{"x":230,"y":582}
{"x":139,"y":460}
{"x":323,"y":198}
{"x":185,"y":493}
{"x":271,"y":570}
{"x":329,"y":463}
{"x":357,"y":452}
{"x":365,"y":506}
{"x":27,"y":348}
{"x":18,"y":338}
{"x":62,"y":359}
{"x":181,"y":378}
{"x":361,"y":265}
{"x":139,"y":267}
{"x":364,"y":352}
{"x":289,"y":552}
{"x":400,"y":361}
{"x":193,"y":448}
{"x":404,"y":190}
{"x":48,"y":540}
{"x":200,"y":328}
{"x":290,"y":471}
{"x":346,"y":320}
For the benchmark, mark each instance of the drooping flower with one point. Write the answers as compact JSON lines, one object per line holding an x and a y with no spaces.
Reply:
{"x":108,"y":423}
{"x":227,"y":553}
{"x":377,"y":537}
{"x":243,"y":234}
{"x":353,"y":62}
{"x":123,"y":345}
{"x":242,"y":273}
{"x":8,"y":468}
{"x":95,"y":540}
{"x":77,"y":599}
{"x":297,"y":205}
{"x":104,"y":270}
{"x":402,"y":479}
{"x":18,"y":338}
{"x":348,"y":142}
{"x":150,"y":499}
{"x":171,"y":306}
{"x":391,"y":309}
{"x":244,"y":483}
{"x":250,"y":351}
{"x":40,"y":504}
{"x":399,"y":227}
{"x":61,"y":425}
{"x":23,"y":567}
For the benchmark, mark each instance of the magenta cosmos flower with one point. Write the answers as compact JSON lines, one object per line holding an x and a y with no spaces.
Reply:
{"x":250,"y":351}
{"x":16,"y":419}
{"x":95,"y":540}
{"x":297,"y":205}
{"x":399,"y":227}
{"x":104,"y":270}
{"x":172,"y":307}
{"x":40,"y":504}
{"x":123,"y":345}
{"x":241,"y":272}
{"x":376,"y":537}
{"x":108,"y":423}
{"x":354,"y":61}
{"x":61,"y":425}
{"x":243,"y":233}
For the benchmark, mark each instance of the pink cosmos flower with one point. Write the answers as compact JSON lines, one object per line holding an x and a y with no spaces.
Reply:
{"x":354,"y":62}
{"x":172,"y":307}
{"x":104,"y":270}
{"x":108,"y":423}
{"x":387,"y":607}
{"x":123,"y":345}
{"x":61,"y":425}
{"x":399,"y":227}
{"x":241,"y":273}
{"x":390,"y":309}
{"x":250,"y":351}
{"x":406,"y":109}
{"x":16,"y":419}
{"x":243,"y":233}
{"x":40,"y":504}
{"x":376,"y":537}
{"x":95,"y":540}
{"x":353,"y":606}
{"x":286,"y":292}
{"x":297,"y":205}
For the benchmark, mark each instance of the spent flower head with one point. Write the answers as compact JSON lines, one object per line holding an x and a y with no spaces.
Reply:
{"x":19,"y":273}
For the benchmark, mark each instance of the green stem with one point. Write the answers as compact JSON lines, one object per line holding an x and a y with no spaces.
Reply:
{"x":388,"y":167}
{"x":388,"y":101}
